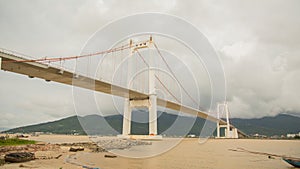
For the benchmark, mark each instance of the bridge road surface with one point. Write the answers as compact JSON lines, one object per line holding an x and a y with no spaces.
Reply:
{"x":51,"y":73}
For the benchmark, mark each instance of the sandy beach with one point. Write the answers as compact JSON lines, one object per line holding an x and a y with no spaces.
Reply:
{"x":214,"y":153}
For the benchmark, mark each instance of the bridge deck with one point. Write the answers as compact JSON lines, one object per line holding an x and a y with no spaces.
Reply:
{"x":43,"y":71}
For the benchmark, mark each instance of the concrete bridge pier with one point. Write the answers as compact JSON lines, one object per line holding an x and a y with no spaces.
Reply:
{"x":141,"y":103}
{"x":230,"y":131}
{"x":150,"y":103}
{"x":126,"y":118}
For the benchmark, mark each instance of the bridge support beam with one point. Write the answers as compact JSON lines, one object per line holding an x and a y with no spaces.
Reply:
{"x":151,"y":104}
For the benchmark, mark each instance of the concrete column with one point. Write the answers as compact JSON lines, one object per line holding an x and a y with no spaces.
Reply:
{"x":218,"y":130}
{"x":126,"y":118}
{"x":235,"y":133}
{"x":127,"y":108}
{"x":152,"y":88}
{"x":227,"y":121}
{"x":153,"y":104}
{"x":153,"y":115}
{"x":218,"y":123}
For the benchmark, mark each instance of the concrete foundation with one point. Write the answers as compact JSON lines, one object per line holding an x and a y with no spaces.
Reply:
{"x":141,"y":137}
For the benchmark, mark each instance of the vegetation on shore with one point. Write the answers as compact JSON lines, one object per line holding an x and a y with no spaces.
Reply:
{"x":15,"y":141}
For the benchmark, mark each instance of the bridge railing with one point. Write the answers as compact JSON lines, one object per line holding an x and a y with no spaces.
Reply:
{"x":27,"y":57}
{"x":17,"y":54}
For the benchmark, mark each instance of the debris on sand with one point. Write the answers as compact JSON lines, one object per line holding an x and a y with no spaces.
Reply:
{"x":28,"y":148}
{"x":27,"y":166}
{"x":98,"y":150}
{"x":57,"y":157}
{"x":47,"y":155}
{"x":2,"y":161}
{"x":19,"y":157}
{"x":110,"y":156}
{"x":87,"y":145}
{"x":89,"y":167}
{"x":75,"y":149}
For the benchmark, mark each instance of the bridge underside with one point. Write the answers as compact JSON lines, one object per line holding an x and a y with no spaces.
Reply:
{"x":43,"y":71}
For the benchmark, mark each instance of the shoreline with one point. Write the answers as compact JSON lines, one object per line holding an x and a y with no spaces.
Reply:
{"x":188,"y":153}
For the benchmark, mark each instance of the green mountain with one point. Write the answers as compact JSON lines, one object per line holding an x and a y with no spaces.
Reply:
{"x":281,"y":124}
{"x":112,"y":125}
{"x":168,"y":124}
{"x":63,"y":126}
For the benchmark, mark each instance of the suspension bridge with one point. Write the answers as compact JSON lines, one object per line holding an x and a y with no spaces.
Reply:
{"x":142,"y":93}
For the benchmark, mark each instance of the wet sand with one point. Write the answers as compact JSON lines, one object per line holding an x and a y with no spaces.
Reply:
{"x":214,"y":153}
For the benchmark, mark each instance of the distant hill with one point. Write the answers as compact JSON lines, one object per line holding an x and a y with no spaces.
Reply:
{"x":181,"y":125}
{"x":63,"y":126}
{"x":3,"y":129}
{"x":269,"y":126}
{"x":112,"y":125}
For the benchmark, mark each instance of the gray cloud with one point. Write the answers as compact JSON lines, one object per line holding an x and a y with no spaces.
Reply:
{"x":257,"y":41}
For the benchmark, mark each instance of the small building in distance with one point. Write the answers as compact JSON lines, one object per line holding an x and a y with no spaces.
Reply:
{"x":259,"y":136}
{"x":191,"y":136}
{"x":293,"y":135}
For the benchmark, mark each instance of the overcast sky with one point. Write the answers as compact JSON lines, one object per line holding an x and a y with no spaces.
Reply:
{"x":258,"y":42}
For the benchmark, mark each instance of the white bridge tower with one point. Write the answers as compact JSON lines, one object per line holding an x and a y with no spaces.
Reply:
{"x":150,"y":103}
{"x":230,"y":131}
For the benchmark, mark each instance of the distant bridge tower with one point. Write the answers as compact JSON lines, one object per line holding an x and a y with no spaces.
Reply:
{"x":230,"y":131}
{"x":150,"y":102}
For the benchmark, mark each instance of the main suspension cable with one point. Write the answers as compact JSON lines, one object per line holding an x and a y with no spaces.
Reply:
{"x":59,"y":59}
{"x":164,"y":86}
{"x":160,"y":54}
